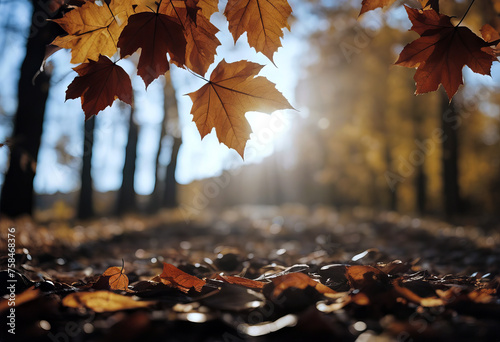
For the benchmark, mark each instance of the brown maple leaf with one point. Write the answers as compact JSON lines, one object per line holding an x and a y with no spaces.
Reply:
{"x":156,"y":34}
{"x":99,"y":84}
{"x":200,"y":36}
{"x":180,"y":279}
{"x":442,"y":51}
{"x":262,"y":20}
{"x":232,"y":91}
{"x":93,"y":30}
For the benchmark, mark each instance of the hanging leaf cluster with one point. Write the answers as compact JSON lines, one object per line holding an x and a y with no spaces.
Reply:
{"x":178,"y":32}
{"x":443,"y":48}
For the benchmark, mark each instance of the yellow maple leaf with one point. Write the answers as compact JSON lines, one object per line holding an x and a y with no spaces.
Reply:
{"x":93,"y":30}
{"x":263,"y":20}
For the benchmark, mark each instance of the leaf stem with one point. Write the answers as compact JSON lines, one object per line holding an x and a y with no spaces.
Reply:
{"x":466,"y":12}
{"x":199,"y":76}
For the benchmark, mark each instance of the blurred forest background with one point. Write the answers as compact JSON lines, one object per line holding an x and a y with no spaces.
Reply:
{"x":359,"y":138}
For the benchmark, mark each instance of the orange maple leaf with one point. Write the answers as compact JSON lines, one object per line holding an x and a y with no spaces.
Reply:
{"x":208,"y":7}
{"x":299,"y":281}
{"x":442,"y":51}
{"x":232,"y":91}
{"x":262,"y":20}
{"x":99,"y":84}
{"x":93,"y":30}
{"x":200,"y":36}
{"x":180,"y":279}
{"x":156,"y":34}
{"x":249,"y":283}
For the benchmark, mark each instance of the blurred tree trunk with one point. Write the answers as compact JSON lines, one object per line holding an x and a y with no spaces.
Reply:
{"x":86,"y":202}
{"x":126,"y":200}
{"x":393,"y":192}
{"x":170,"y":186}
{"x":170,"y":193}
{"x":421,"y":177}
{"x":17,"y":191}
{"x":165,"y":190}
{"x":450,"y":126}
{"x":155,"y":198}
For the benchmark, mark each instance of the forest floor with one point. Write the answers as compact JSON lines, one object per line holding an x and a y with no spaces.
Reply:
{"x":300,"y":274}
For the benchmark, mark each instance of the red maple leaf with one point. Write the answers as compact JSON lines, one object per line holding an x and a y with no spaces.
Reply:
{"x":156,"y":34}
{"x":442,"y":51}
{"x":99,"y":84}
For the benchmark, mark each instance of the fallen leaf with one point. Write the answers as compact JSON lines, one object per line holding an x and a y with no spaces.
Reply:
{"x":116,"y":278}
{"x":21,"y":298}
{"x":252,"y":284}
{"x":299,"y":281}
{"x":262,"y":20}
{"x":156,"y":34}
{"x":99,"y":84}
{"x":442,"y":51}
{"x":232,"y":91}
{"x":415,"y":298}
{"x":180,"y":279}
{"x":359,"y":276}
{"x":102,"y":301}
{"x":93,"y":30}
{"x":483,"y":296}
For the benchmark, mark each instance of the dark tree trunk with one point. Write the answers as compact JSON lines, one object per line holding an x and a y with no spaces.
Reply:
{"x":155,"y":198}
{"x":86,"y":202}
{"x":17,"y":191}
{"x":165,"y":191}
{"x":170,"y":193}
{"x":126,"y":200}
{"x":393,"y":191}
{"x":421,"y":187}
{"x":421,"y":177}
{"x":450,"y":122}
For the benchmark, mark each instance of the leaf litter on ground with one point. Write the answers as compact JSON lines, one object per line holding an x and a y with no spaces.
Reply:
{"x":322,"y":274}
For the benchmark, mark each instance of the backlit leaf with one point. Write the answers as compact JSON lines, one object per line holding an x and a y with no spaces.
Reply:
{"x":99,"y":84}
{"x":156,"y":34}
{"x":200,"y":37}
{"x":297,"y":280}
{"x":232,"y":91}
{"x":253,"y":284}
{"x":93,"y":30}
{"x":102,"y":301}
{"x":262,"y":20}
{"x":442,"y":51}
{"x":117,"y":279}
{"x":180,"y":279}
